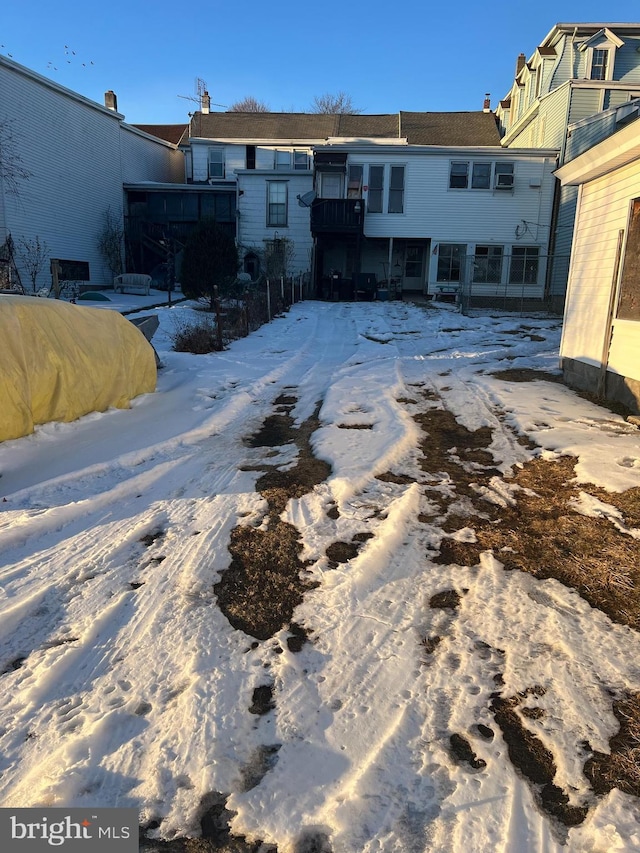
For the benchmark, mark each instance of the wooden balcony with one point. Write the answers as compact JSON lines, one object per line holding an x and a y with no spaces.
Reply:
{"x":337,"y":216}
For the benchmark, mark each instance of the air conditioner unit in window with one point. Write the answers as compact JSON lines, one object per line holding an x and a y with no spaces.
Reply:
{"x":504,"y":181}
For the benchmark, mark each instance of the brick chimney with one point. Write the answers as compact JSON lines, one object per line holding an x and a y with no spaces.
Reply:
{"x":486,"y":107}
{"x":206,"y":103}
{"x":520,"y":63}
{"x":111,"y":101}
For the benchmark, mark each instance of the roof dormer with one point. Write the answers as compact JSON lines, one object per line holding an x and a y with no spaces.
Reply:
{"x":600,"y":52}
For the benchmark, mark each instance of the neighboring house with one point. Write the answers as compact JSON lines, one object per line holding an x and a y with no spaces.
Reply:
{"x":600,"y":347}
{"x":78,"y":155}
{"x":424,"y":199}
{"x":578,"y":71}
{"x":433,"y":218}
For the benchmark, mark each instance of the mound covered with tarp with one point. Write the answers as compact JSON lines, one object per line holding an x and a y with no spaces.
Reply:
{"x":62,"y":361}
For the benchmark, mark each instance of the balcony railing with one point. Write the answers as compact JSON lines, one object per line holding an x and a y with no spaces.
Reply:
{"x":337,"y":215}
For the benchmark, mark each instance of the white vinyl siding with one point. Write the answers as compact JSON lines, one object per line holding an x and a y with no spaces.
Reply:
{"x":79,"y":155}
{"x":603,"y":212}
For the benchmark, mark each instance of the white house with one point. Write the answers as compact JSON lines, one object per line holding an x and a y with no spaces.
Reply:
{"x":600,"y":347}
{"x":74,"y":157}
{"x":434,"y":218}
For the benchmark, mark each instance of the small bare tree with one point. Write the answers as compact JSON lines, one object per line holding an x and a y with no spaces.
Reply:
{"x":338,"y":104}
{"x":249,"y":104}
{"x":278,"y":256}
{"x":12,"y":168}
{"x":110,"y":240}
{"x":34,"y":255}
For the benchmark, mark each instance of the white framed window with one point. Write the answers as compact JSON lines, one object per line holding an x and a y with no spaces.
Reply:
{"x":459,"y":175}
{"x":216,"y":162}
{"x":396,"y":190}
{"x":524,"y":265}
{"x":503,"y":176}
{"x":355,"y":181}
{"x":300,"y":160}
{"x":451,"y":261}
{"x":276,"y":203}
{"x":283,"y":160}
{"x":376,"y":189}
{"x":480,"y":175}
{"x":487,"y":264}
{"x":599,"y":65}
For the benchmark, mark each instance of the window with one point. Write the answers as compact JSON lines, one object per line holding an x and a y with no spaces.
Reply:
{"x":599,"y":64}
{"x":481,"y":176}
{"x":300,"y":160}
{"x":354,"y":182}
{"x":504,"y":176}
{"x":396,"y":190}
{"x":524,"y":265}
{"x":629,"y":300}
{"x":216,"y":162}
{"x":487,"y":265}
{"x":276,"y":203}
{"x":450,"y":260}
{"x":459,"y":176}
{"x":331,"y":185}
{"x":283,"y":160}
{"x":376,"y":189}
{"x":251,"y":156}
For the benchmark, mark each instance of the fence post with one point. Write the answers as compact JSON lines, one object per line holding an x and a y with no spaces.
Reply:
{"x":282,"y":288}
{"x":300,"y":279}
{"x":269,"y":300}
{"x":216,"y":303}
{"x":293,"y":291}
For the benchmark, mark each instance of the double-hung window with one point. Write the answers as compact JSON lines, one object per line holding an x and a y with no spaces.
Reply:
{"x":283,"y":160}
{"x":300,"y":160}
{"x":487,"y":265}
{"x":376,"y":189}
{"x":276,"y":203}
{"x":216,"y":162}
{"x":481,"y":176}
{"x":599,"y":64}
{"x":459,"y":176}
{"x":524,"y":265}
{"x":354,"y":181}
{"x":450,"y":261}
{"x":396,"y":190}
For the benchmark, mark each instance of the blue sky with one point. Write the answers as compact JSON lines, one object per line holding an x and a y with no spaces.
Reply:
{"x":388,"y":56}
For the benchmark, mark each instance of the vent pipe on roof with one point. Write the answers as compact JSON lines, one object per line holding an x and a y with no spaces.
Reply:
{"x":111,"y":101}
{"x":486,"y":107}
{"x":206,"y":103}
{"x":520,"y":63}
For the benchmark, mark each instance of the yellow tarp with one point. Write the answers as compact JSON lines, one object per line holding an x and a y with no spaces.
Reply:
{"x":59,"y":361}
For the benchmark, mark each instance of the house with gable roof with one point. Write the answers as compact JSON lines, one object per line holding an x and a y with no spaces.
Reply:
{"x":578,"y":71}
{"x":420,"y":201}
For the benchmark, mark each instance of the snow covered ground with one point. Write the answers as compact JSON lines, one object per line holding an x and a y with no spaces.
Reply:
{"x":124,"y":684}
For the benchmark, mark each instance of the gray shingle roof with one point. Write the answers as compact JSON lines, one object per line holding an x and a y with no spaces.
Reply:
{"x":454,"y":128}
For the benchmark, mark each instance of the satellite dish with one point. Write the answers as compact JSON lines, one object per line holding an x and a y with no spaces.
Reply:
{"x":307,"y":199}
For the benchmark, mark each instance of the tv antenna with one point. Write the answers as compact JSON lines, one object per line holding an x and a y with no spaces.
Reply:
{"x":201,"y":88}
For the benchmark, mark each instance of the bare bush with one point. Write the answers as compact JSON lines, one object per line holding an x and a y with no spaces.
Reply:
{"x":195,"y":335}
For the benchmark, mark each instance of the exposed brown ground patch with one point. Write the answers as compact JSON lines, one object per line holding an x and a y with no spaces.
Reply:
{"x":265,"y":581}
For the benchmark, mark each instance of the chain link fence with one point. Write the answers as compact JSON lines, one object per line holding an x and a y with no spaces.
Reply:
{"x":520,"y":282}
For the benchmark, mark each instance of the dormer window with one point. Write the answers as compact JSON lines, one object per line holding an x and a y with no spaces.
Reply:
{"x":600,"y":54}
{"x":599,"y":64}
